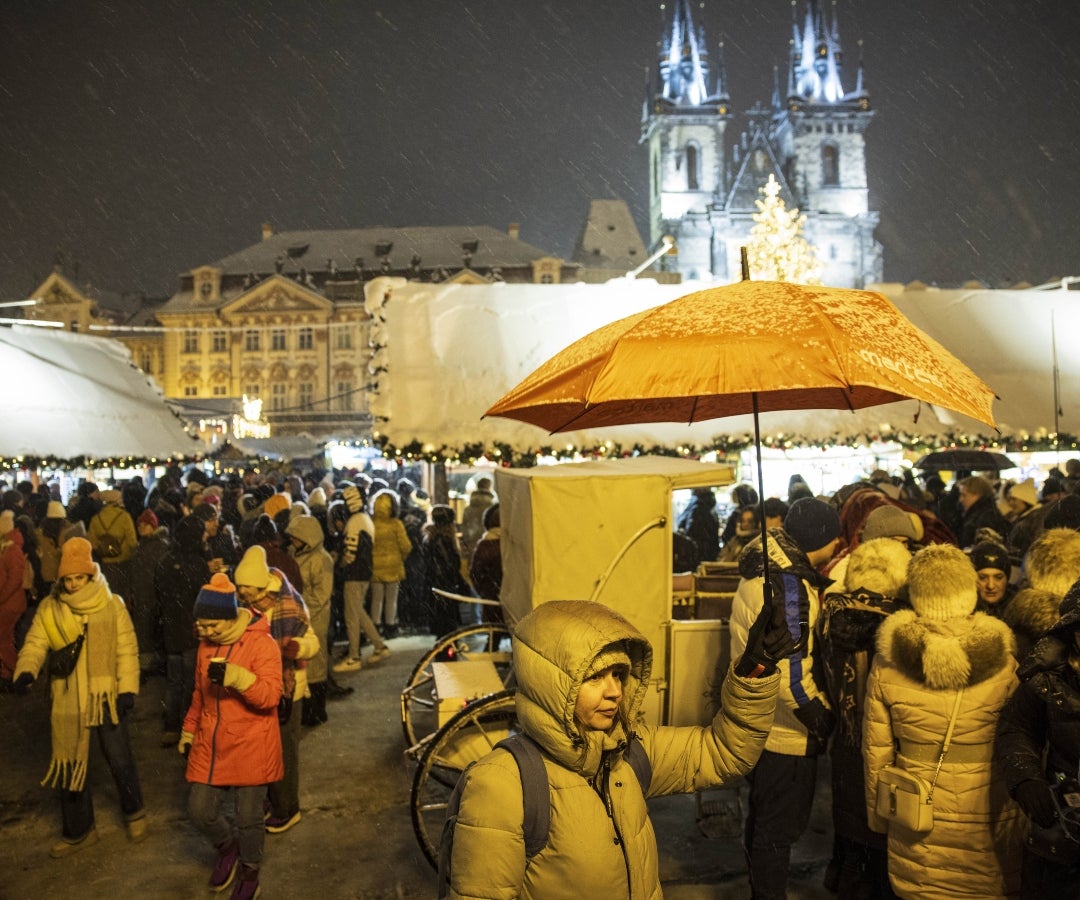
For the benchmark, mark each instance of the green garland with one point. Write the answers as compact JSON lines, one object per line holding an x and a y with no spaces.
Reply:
{"x":724,"y":446}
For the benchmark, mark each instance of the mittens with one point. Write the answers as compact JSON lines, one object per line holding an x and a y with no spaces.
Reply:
{"x":21,"y":685}
{"x":125,"y":703}
{"x":186,"y":740}
{"x":238,"y":677}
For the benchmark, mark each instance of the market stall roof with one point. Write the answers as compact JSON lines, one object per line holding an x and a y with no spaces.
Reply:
{"x":449,"y":351}
{"x":71,"y":396}
{"x":286,"y":447}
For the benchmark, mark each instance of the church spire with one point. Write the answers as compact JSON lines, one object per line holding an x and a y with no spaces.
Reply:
{"x":816,"y":57}
{"x":684,"y":68}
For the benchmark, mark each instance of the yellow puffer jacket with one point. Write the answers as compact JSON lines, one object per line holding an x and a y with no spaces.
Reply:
{"x":974,"y":849}
{"x":601,"y":842}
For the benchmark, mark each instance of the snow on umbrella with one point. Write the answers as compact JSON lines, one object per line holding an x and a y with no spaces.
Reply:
{"x":744,"y":348}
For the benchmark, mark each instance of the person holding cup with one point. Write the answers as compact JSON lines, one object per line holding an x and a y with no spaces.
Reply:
{"x":230,"y":734}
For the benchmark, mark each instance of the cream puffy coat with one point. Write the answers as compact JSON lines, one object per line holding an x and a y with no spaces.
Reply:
{"x":601,"y":843}
{"x":974,"y":847}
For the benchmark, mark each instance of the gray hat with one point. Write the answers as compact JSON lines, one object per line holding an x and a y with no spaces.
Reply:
{"x":890,"y":522}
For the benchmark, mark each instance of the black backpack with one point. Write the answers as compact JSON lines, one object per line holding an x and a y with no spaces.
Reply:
{"x":535,"y":795}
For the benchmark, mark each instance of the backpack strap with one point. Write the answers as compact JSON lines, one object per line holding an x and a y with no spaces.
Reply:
{"x":639,"y":761}
{"x":534,"y":790}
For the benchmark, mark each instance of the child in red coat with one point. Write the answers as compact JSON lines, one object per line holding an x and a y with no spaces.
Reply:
{"x":230,"y":734}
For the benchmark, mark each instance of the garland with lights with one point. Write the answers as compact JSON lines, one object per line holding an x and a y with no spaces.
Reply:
{"x":724,"y":446}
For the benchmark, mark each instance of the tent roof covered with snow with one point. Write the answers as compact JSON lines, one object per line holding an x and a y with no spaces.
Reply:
{"x":445,"y":353}
{"x":71,"y":396}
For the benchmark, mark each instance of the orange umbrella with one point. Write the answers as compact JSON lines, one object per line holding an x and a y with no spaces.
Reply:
{"x":743,"y":348}
{"x":752,"y":345}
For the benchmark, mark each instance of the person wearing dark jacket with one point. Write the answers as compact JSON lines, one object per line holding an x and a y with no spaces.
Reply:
{"x":442,"y":556}
{"x":1038,"y":748}
{"x":979,"y":512}
{"x":142,"y":599}
{"x":177,"y":580}
{"x":700,"y":522}
{"x":1051,"y":566}
{"x":783,"y":781}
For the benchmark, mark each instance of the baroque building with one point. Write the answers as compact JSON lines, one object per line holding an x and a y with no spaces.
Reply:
{"x":703,"y":182}
{"x":284,"y":321}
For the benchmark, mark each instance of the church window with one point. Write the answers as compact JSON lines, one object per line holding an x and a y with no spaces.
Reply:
{"x":219,"y":341}
{"x":277,"y":339}
{"x":220,"y":390}
{"x":191,"y":390}
{"x":547,"y":278}
{"x":305,"y":339}
{"x":251,"y":340}
{"x":252,"y":390}
{"x":343,"y":337}
{"x":191,"y":340}
{"x":305,"y":392}
{"x":830,"y":164}
{"x":145,"y":362}
{"x":693,"y":167}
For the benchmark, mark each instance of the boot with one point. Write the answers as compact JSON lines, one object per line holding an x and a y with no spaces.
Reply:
{"x":318,"y":697}
{"x":307,"y":716}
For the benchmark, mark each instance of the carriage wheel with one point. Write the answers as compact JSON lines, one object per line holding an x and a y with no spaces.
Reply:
{"x":419,"y":717}
{"x":467,"y":737}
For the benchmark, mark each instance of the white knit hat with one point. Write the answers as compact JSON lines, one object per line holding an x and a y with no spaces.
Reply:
{"x":942,"y":583}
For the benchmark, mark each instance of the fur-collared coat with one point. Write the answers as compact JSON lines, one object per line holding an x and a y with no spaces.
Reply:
{"x":975,"y":845}
{"x":1051,"y":566}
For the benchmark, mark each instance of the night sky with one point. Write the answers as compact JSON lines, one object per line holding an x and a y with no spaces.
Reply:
{"x":141,"y":138}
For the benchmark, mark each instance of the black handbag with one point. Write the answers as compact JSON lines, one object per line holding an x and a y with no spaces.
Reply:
{"x":62,"y":662}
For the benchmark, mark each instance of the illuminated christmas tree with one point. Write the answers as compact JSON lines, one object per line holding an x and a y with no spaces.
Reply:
{"x":777,"y":250}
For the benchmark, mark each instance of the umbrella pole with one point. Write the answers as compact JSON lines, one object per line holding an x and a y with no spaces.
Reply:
{"x":761,"y":503}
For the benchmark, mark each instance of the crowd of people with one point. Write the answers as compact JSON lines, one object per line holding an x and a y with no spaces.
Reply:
{"x":237,"y":591}
{"x":924,"y":612}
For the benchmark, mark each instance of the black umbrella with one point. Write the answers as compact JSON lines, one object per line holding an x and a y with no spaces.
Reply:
{"x":961,"y":459}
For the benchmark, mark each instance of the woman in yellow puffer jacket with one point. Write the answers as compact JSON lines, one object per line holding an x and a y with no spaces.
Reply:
{"x":582,"y":672}
{"x":389,"y":549}
{"x":925,"y":656}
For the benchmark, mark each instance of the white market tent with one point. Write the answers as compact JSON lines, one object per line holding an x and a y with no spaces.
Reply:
{"x":72,"y":395}
{"x":450,"y":351}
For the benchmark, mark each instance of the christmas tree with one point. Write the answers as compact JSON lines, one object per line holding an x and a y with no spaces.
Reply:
{"x":777,"y":250}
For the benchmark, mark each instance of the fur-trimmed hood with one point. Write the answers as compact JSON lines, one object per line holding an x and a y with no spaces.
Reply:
{"x":1052,"y":562}
{"x":946,"y":654}
{"x":1033,"y":612}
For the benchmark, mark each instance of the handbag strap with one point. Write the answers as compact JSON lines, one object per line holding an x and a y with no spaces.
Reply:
{"x":945,"y":746}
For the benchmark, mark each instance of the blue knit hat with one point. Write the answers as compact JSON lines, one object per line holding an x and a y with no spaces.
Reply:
{"x":216,"y":600}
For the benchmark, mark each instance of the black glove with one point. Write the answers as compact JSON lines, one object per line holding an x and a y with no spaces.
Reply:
{"x":1035,"y":800}
{"x":818,"y":720}
{"x":21,"y":685}
{"x":768,"y":641}
{"x":125,"y":703}
{"x":284,"y":710}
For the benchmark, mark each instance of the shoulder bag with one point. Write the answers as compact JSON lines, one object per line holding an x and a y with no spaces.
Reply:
{"x":907,"y":799}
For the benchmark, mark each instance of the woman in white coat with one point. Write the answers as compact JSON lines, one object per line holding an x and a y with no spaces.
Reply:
{"x":926,"y":655}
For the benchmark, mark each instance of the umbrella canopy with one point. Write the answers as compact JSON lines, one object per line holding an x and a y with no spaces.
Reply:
{"x":961,"y":459}
{"x":740,"y":348}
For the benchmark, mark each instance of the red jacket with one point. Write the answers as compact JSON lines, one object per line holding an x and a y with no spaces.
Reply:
{"x":237,"y":741}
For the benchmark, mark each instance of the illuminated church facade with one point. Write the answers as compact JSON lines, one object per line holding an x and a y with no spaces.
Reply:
{"x":703,"y":183}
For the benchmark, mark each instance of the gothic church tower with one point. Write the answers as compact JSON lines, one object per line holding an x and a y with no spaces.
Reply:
{"x":811,"y":138}
{"x":683,"y":126}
